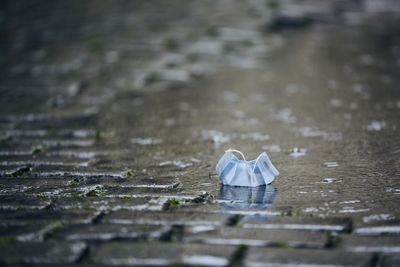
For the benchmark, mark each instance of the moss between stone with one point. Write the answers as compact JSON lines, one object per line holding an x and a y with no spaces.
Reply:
{"x":212,"y":31}
{"x":98,"y":136}
{"x":238,"y":256}
{"x":281,"y":244}
{"x":21,"y":172}
{"x":171,"y":203}
{"x":97,"y":192}
{"x":7,"y":240}
{"x":332,"y":239}
{"x":171,"y":44}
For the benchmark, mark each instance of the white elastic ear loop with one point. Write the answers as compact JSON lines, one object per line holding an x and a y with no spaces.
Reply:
{"x":251,"y":172}
{"x":237,"y":151}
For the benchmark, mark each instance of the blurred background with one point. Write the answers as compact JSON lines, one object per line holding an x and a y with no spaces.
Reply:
{"x":154,"y":92}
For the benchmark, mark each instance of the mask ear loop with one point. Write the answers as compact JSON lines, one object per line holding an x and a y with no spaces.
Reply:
{"x":237,"y":151}
{"x":249,"y":170}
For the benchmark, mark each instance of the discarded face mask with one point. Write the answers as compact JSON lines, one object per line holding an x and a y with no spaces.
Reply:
{"x":235,"y":172}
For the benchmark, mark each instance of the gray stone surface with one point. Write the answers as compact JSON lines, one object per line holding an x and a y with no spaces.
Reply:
{"x":260,"y":237}
{"x":298,"y":223}
{"x":113,"y":115}
{"x":104,"y":232}
{"x":371,"y":244}
{"x":166,"y":218}
{"x":41,"y":253}
{"x":291,"y":257}
{"x":163,"y":254}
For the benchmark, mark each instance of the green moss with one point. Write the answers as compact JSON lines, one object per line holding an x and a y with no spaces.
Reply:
{"x":129,"y":173}
{"x":174,"y":202}
{"x":151,"y":78}
{"x":41,"y":195}
{"x":297,"y":213}
{"x":98,"y":136}
{"x":127,"y":197}
{"x":171,"y":44}
{"x":95,"y":46}
{"x":36,"y":150}
{"x":243,"y":246}
{"x":238,"y":256}
{"x":281,"y":244}
{"x":212,"y":31}
{"x":97,"y":192}
{"x":273,"y":4}
{"x":21,"y":171}
{"x":332,"y":239}
{"x":7,"y":239}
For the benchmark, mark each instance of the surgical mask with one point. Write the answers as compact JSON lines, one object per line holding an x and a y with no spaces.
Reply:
{"x":235,"y":172}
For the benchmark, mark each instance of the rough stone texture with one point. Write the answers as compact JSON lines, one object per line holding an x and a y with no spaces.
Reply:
{"x":166,"y":218}
{"x":163,"y":254}
{"x":113,"y":115}
{"x":41,"y":253}
{"x":106,"y":232}
{"x":291,"y":257}
{"x":375,"y":244}
{"x":260,"y":237}
{"x":298,"y":223}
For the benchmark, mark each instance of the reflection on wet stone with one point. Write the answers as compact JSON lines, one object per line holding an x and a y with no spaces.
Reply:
{"x":239,"y":197}
{"x":113,"y":115}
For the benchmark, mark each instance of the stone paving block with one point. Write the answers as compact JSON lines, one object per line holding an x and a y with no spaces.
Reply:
{"x":379,"y":244}
{"x":43,"y":162}
{"x":41,"y":253}
{"x":378,"y":224}
{"x":15,"y":171}
{"x":243,"y":212}
{"x":300,"y":257}
{"x":31,"y":232}
{"x":143,"y":191}
{"x":18,"y":202}
{"x":155,"y":253}
{"x":378,"y":230}
{"x":73,"y":172}
{"x":29,"y":186}
{"x":297,"y":223}
{"x":108,"y":204}
{"x":28,"y":217}
{"x":389,"y":260}
{"x":166,"y":218}
{"x":79,"y":232}
{"x":260,"y":237}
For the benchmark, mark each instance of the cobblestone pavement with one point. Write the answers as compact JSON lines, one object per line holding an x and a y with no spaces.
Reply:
{"x":114,"y":113}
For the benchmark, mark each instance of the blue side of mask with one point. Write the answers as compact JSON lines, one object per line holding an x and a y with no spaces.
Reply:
{"x":235,"y":172}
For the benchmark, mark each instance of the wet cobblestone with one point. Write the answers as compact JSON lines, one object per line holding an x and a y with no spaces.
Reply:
{"x":113,"y":115}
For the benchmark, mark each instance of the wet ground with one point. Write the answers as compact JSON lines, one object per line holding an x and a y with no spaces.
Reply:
{"x":113,"y":116}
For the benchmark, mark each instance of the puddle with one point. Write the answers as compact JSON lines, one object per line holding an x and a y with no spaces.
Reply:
{"x":272,"y":148}
{"x":177,"y":163}
{"x":328,"y":180}
{"x":331,"y":164}
{"x":285,"y":115}
{"x":377,"y":218}
{"x":298,"y":152}
{"x":352,"y":210}
{"x":336,"y":103}
{"x":146,"y":141}
{"x":237,"y":197}
{"x":217,"y":137}
{"x":376,"y":126}
{"x":255,"y":136}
